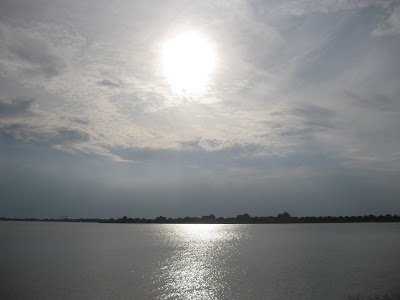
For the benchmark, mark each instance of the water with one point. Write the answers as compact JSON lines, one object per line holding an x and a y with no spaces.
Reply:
{"x":153,"y":261}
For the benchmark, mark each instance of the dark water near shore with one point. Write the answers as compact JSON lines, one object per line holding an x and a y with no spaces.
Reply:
{"x":153,"y":261}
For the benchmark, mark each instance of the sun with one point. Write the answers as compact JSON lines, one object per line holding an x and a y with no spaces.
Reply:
{"x":188,"y":60}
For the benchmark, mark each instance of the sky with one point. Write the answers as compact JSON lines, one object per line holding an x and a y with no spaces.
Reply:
{"x":300,"y":112}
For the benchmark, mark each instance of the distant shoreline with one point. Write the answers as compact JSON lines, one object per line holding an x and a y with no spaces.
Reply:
{"x":284,"y":218}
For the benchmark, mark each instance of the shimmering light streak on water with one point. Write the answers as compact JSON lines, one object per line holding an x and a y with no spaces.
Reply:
{"x":199,"y":266}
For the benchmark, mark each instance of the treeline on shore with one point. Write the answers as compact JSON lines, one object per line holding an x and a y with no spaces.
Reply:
{"x":240,"y":219}
{"x":391,"y":295}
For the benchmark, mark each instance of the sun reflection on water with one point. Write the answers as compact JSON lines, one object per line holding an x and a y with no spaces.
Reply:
{"x":198,"y":267}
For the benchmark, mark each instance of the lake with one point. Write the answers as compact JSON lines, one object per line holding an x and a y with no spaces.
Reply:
{"x":197,"y":261}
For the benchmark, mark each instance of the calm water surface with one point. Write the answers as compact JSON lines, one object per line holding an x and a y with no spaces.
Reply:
{"x":153,"y":261}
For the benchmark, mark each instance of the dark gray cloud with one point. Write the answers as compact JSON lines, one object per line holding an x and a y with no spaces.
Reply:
{"x":15,"y":107}
{"x":37,"y":53}
{"x":79,"y":121}
{"x":301,"y":132}
{"x":203,"y":144}
{"x":61,"y":136}
{"x":65,"y":136}
{"x":316,"y":116}
{"x":109,"y":83}
{"x":13,"y":130}
{"x":191,"y":145}
{"x":375,"y":101}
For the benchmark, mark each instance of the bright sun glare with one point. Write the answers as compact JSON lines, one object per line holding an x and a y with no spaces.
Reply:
{"x":187,"y":61}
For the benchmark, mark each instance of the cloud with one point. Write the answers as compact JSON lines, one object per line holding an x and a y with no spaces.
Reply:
{"x":375,"y":101}
{"x":302,"y":7}
{"x":13,"y":130}
{"x":391,"y":26}
{"x":38,"y":56}
{"x":28,"y":53}
{"x":65,"y":135}
{"x":58,"y":136}
{"x":275,"y":83}
{"x":79,"y":121}
{"x":316,"y":116}
{"x":15,"y":107}
{"x":106,"y":82}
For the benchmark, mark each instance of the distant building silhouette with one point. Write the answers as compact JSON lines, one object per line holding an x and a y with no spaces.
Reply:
{"x":161,"y":219}
{"x":284,"y":215}
{"x":284,"y":218}
{"x":208,"y":218}
{"x":243,"y":218}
